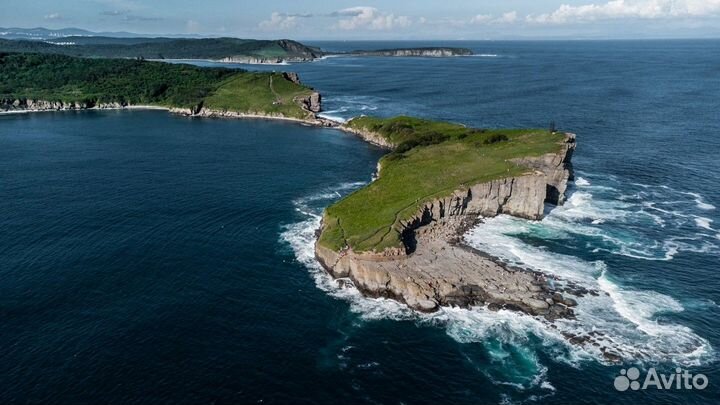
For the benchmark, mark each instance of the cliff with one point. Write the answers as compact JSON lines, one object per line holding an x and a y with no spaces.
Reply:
{"x":434,"y":268}
{"x":260,"y":60}
{"x":21,"y":104}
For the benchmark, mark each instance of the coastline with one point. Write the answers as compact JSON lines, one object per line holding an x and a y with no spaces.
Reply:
{"x":41,"y":110}
{"x":315,"y":121}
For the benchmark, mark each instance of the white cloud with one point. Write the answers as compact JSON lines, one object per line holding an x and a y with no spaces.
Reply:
{"x":614,"y":9}
{"x":279,"y":22}
{"x":369,"y":18}
{"x":481,"y":19}
{"x":53,"y":16}
{"x":507,"y":18}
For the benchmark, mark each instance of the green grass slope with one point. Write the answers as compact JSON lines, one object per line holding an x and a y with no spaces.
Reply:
{"x":431,"y":160}
{"x":268,"y":93}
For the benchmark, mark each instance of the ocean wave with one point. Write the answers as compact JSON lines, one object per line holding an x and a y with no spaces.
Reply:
{"x":346,"y":107}
{"x":581,"y":182}
{"x":331,"y":115}
{"x":700,"y":202}
{"x":629,"y":330}
{"x":703,"y":222}
{"x":603,"y":222}
{"x":642,"y":221}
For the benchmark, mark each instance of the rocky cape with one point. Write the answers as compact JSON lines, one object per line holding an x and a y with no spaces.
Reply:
{"x":311,"y":104}
{"x":436,"y":268}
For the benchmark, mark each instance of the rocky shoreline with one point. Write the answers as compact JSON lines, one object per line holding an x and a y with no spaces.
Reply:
{"x":311,"y":104}
{"x":436,"y":268}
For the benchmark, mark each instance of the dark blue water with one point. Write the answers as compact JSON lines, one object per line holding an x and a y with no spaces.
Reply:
{"x":147,"y":258}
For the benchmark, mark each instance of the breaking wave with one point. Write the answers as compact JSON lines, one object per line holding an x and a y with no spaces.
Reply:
{"x":342,"y":108}
{"x":600,"y":219}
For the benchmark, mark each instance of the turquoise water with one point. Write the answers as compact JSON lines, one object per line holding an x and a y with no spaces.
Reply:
{"x":152,"y":258}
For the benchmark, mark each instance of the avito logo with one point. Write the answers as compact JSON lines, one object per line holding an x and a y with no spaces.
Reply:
{"x":679,"y":380}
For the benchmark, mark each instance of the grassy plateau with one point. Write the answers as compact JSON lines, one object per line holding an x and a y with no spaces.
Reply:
{"x":430,"y":160}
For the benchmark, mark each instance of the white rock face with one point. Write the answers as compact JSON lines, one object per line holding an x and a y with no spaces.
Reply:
{"x":42,"y":105}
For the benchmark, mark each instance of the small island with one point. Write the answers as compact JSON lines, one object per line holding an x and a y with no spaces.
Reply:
{"x":400,"y":237}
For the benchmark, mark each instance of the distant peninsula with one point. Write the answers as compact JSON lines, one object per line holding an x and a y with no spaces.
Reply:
{"x":227,"y":50}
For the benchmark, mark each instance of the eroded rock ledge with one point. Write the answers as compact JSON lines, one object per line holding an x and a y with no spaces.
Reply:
{"x":437,"y":269}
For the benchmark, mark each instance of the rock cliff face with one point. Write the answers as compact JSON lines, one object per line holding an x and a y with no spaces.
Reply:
{"x":313,"y":102}
{"x":369,"y":136}
{"x":436,"y":269}
{"x":42,"y":105}
{"x":417,"y":52}
{"x":257,"y":60}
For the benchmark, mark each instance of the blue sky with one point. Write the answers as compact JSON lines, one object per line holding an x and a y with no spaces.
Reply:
{"x":390,"y":19}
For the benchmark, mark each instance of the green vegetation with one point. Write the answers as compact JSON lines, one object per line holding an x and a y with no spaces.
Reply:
{"x":166,"y":48}
{"x":260,"y":92}
{"x":431,"y":160}
{"x":93,"y":81}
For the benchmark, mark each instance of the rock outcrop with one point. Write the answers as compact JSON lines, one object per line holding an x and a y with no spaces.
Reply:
{"x":292,"y":77}
{"x":369,"y":136}
{"x":435,"y":268}
{"x":43,"y":105}
{"x":313,"y":102}
{"x":258,"y":60}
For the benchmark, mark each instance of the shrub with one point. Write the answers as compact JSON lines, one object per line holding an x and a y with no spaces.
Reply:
{"x":495,"y":138}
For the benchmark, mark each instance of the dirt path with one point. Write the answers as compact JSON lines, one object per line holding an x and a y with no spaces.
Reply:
{"x":278,"y":99}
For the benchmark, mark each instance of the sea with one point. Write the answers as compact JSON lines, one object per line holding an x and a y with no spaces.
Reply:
{"x":147,"y":258}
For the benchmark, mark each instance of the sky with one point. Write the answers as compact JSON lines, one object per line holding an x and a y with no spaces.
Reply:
{"x":377,"y":20}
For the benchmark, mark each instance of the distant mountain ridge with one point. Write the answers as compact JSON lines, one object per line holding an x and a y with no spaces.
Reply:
{"x":42,"y":34}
